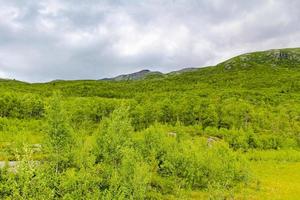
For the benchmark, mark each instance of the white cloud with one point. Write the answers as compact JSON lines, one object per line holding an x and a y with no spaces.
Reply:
{"x":51,"y":7}
{"x":62,"y":39}
{"x":8,"y":17}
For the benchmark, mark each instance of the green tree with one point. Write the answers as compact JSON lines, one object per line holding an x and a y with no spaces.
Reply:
{"x":114,"y":134}
{"x":59,"y":133}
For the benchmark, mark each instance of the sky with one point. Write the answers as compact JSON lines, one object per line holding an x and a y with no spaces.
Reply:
{"x":44,"y":40}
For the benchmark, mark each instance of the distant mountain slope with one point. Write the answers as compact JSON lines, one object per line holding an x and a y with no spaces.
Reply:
{"x":133,"y":76}
{"x":147,"y":74}
{"x":267,"y":65}
{"x":189,"y":69}
{"x":271,"y":58}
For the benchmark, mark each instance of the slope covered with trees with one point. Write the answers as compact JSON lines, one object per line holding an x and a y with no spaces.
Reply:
{"x":154,"y":138}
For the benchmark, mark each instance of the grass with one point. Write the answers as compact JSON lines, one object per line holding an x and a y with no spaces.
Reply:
{"x":272,"y":179}
{"x":276,"y":180}
{"x":9,"y":143}
{"x":285,"y":155}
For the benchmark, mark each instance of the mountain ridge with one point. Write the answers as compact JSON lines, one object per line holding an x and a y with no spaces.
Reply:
{"x":146,"y":73}
{"x":274,"y":57}
{"x":286,"y":57}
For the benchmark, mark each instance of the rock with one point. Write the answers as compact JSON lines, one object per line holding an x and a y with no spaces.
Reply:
{"x":172,"y":134}
{"x":211,"y":141}
{"x":227,"y":66}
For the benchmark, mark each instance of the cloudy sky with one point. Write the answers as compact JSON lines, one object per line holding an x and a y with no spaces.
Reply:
{"x":42,"y":40}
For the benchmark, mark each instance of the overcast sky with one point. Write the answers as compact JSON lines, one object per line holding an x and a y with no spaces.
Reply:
{"x":42,"y":40}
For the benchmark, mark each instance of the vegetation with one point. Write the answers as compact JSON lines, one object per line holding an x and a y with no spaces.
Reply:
{"x":204,"y":134}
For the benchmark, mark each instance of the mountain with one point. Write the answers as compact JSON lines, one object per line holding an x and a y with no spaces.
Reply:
{"x":189,"y":69}
{"x":134,"y":76}
{"x":270,"y":61}
{"x":147,"y":74}
{"x":272,"y":58}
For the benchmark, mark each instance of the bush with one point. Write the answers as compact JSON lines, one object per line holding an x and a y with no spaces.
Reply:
{"x":194,"y":163}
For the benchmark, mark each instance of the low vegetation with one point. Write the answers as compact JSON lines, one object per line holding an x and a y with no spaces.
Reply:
{"x":204,"y":134}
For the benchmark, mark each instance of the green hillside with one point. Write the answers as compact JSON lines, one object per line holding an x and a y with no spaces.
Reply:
{"x":197,"y":134}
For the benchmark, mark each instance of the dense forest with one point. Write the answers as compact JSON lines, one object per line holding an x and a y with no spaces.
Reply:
{"x":167,"y":136}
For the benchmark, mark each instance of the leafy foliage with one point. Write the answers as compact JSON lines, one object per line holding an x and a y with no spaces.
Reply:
{"x":150,"y":138}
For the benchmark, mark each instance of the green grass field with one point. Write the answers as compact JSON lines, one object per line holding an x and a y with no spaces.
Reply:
{"x":276,"y":180}
{"x":271,"y":180}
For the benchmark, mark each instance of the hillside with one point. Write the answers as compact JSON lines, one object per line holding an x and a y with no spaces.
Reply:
{"x":273,"y":58}
{"x":262,"y":70}
{"x":134,"y":76}
{"x":260,"y":81}
{"x":199,"y":133}
{"x":146,"y":74}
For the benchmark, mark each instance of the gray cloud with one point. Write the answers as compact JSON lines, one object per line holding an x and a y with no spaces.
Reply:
{"x":64,"y":39}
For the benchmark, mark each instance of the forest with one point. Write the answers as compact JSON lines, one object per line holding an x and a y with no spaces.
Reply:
{"x":230,"y":131}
